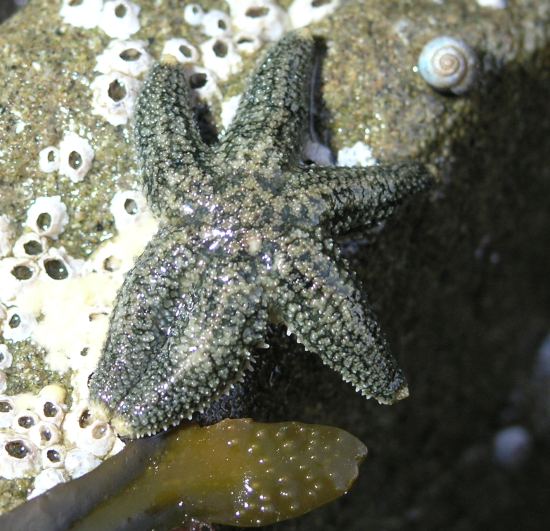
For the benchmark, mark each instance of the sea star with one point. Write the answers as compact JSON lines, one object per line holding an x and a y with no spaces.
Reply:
{"x":246,"y":237}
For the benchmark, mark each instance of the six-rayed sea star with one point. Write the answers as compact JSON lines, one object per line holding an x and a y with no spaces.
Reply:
{"x":247,"y":236}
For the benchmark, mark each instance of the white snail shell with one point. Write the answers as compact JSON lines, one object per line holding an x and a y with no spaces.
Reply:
{"x":448,"y":64}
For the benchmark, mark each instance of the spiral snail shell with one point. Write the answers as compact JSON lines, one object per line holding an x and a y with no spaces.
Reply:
{"x":448,"y":64}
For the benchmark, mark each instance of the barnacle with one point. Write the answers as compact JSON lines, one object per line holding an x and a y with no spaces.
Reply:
{"x":215,"y":23}
{"x":127,"y":57}
{"x":119,"y":18}
{"x":18,"y":324}
{"x":193,"y":14}
{"x":259,"y":18}
{"x":114,"y":97}
{"x":47,"y":216}
{"x":75,"y":157}
{"x":46,"y":479}
{"x":182,"y":50}
{"x":19,"y":457}
{"x":221,"y":55}
{"x":304,"y":12}
{"x":48,"y":160}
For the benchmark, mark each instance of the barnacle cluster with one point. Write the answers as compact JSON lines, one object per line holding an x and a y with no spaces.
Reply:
{"x":117,"y":18}
{"x":244,"y":30}
{"x":73,"y":158}
{"x":116,"y":88}
{"x":39,"y":438}
{"x":60,"y":304}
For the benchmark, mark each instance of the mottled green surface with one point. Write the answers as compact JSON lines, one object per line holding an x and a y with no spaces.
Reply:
{"x":460,"y":284}
{"x":25,"y":373}
{"x":246,"y":238}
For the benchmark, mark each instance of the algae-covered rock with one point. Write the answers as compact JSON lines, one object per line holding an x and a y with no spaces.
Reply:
{"x":459,"y":281}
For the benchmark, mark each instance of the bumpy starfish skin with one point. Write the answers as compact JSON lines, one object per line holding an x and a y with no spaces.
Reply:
{"x":246,"y":236}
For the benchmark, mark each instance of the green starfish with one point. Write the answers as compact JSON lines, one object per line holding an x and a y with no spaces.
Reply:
{"x":247,"y":236}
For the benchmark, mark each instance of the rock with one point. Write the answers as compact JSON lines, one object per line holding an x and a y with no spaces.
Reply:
{"x":460,"y":281}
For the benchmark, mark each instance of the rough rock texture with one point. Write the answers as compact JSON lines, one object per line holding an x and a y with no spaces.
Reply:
{"x":459,"y":281}
{"x":7,"y":8}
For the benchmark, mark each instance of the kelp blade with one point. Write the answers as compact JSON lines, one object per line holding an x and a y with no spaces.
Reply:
{"x":237,"y":472}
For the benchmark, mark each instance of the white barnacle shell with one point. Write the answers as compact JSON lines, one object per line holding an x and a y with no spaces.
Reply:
{"x":44,"y":434}
{"x":114,"y":97}
{"x":82,"y":14}
{"x":48,"y":159}
{"x":118,"y":446}
{"x":76,"y":157}
{"x":24,"y":420}
{"x":47,"y":216}
{"x":56,"y":265}
{"x":54,"y":392}
{"x":3,"y":381}
{"x":182,"y":50}
{"x":193,"y":14}
{"x":126,"y":57}
{"x":78,"y":419}
{"x":247,"y":43}
{"x":216,"y":23}
{"x":88,"y":431}
{"x":79,"y":462}
{"x":448,"y":64}
{"x":127,"y":206}
{"x":6,"y":234}
{"x":6,"y":358}
{"x":47,"y":479}
{"x":110,"y":258}
{"x":7,"y":411}
{"x":203,"y":82}
{"x":494,"y":4}
{"x":360,"y":154}
{"x":119,"y":18}
{"x":53,"y":456}
{"x":18,"y":324}
{"x":98,"y":438}
{"x":220,"y":55}
{"x":260,"y":18}
{"x":305,"y":12}
{"x":19,"y":457}
{"x":16,"y":273}
{"x":30,"y":245}
{"x":50,"y":410}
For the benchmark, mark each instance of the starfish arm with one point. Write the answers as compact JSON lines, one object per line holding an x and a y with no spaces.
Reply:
{"x":206,"y":354}
{"x":155,"y":293}
{"x":343,"y":199}
{"x":321,"y":305}
{"x":170,"y":150}
{"x":271,"y":119}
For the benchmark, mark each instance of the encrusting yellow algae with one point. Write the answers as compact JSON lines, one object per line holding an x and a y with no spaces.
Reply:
{"x":237,"y":472}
